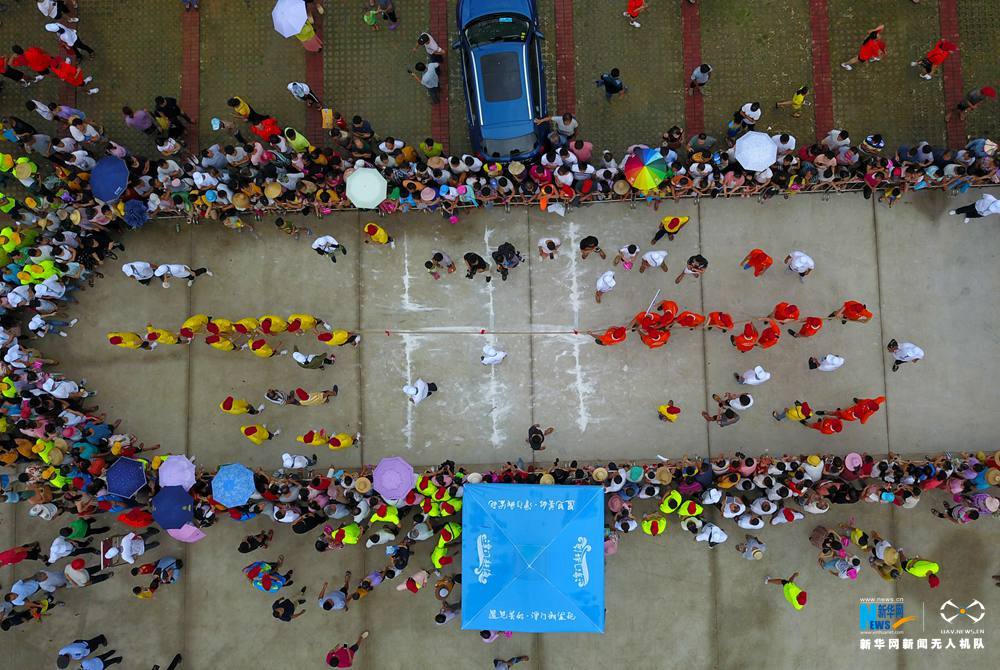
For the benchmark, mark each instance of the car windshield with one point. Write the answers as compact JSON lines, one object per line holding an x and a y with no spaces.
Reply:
{"x":497,"y":29}
{"x":513,"y":147}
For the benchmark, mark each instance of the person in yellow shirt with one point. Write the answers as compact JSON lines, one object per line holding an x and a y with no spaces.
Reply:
{"x":219,"y":326}
{"x":376,"y":234}
{"x":800,"y":411}
{"x":313,"y":438}
{"x":343,"y":441}
{"x":796,"y":102}
{"x":258,"y":433}
{"x":795,"y":596}
{"x":262,"y":349}
{"x":339,"y":337}
{"x":220,"y":342}
{"x":246,"y":326}
{"x":303,"y":398}
{"x":272,"y":325}
{"x":669,"y":412}
{"x":300,"y":323}
{"x":157,"y":336}
{"x":193,"y":325}
{"x":233,"y":405}
{"x":127,"y":340}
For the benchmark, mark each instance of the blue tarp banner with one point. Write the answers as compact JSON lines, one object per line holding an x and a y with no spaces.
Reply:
{"x":533,"y":558}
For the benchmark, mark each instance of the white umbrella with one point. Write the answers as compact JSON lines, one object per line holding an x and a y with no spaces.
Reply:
{"x":289,"y":16}
{"x":756,"y":151}
{"x":366,"y":188}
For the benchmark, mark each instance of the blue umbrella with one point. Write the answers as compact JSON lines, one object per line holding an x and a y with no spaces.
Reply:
{"x":233,"y":485}
{"x":173,"y":507}
{"x":125,"y":477}
{"x":109,"y":178}
{"x":136,"y":214}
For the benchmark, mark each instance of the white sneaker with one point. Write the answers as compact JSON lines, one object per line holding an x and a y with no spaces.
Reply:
{"x":62,"y":334}
{"x":913,"y":63}
{"x":874,"y":58}
{"x":635,"y":24}
{"x":767,"y":579}
{"x":190,"y":282}
{"x":73,"y":322}
{"x":846,"y":66}
{"x":625,"y":14}
{"x":166,"y":284}
{"x":283,"y":352}
{"x":209,"y":273}
{"x":276,"y":432}
{"x":357,"y":340}
{"x":966,"y":220}
{"x":925,"y":76}
{"x":93,"y":91}
{"x":260,"y":408}
{"x":39,"y":78}
{"x":952,"y":212}
{"x":392,"y":244}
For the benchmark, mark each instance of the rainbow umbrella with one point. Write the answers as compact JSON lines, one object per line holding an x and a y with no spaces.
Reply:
{"x":645,"y":169}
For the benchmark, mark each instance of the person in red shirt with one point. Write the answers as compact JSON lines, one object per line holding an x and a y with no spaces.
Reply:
{"x":635,"y":7}
{"x":266,"y":129}
{"x":872,"y":49}
{"x":785,"y":311}
{"x":842,"y":414}
{"x":24,"y":552}
{"x":668,"y":312}
{"x":689,"y":319}
{"x":342,"y":656}
{"x":655,"y":339}
{"x":935,"y":57}
{"x":770,"y":335}
{"x":852,"y":310}
{"x":72,"y":75}
{"x":720,"y":320}
{"x":746,"y":340}
{"x":864,"y":408}
{"x":645,"y":321}
{"x":828,"y":426}
{"x":37,"y":59}
{"x":611,"y":336}
{"x":758,"y":260}
{"x":812,"y":325}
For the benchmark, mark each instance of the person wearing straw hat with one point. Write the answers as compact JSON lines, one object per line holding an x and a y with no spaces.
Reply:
{"x":752,"y":548}
{"x":536,"y":436}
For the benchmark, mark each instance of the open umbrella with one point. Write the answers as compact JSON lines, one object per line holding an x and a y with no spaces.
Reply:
{"x":289,"y":16}
{"x":176,"y":470}
{"x":366,"y":188}
{"x":125,"y":477}
{"x":186,"y":533}
{"x":394,"y":477}
{"x":233,"y":485}
{"x":136,"y":214}
{"x":756,"y":151}
{"x":645,"y":169}
{"x":109,"y":178}
{"x":172,"y":507}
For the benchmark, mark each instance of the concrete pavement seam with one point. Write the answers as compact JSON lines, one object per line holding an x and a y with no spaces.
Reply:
{"x":359,"y":271}
{"x":185,"y":627}
{"x":881,"y":324}
{"x":531,"y":338}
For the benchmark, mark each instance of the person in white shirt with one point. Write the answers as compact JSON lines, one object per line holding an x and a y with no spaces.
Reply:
{"x":828,"y":363}
{"x":605,"y":284}
{"x":736,"y":401}
{"x":548,"y":247}
{"x":492,"y":356}
{"x":753,"y":377}
{"x":800,"y":263}
{"x":70,"y":38}
{"x":41,"y":327}
{"x":419,"y":391}
{"x":750,"y":112}
{"x":430,"y":45}
{"x":179,"y":270}
{"x":904,"y":352}
{"x":428,"y":78}
{"x":712,"y":534}
{"x":141,"y":271}
{"x":985,"y":206}
{"x":657,"y":258}
{"x":784,"y":142}
{"x":327,"y":245}
{"x":301,"y":91}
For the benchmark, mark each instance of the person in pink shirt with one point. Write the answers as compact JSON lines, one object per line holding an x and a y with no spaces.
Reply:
{"x":342,"y":656}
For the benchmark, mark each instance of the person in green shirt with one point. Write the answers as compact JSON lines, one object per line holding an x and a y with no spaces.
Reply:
{"x":429,"y":148}
{"x":80,"y":529}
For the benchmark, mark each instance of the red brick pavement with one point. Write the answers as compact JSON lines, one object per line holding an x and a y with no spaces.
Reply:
{"x":191,"y":73}
{"x":565,"y":58}
{"x":314,"y":78}
{"x":822,"y":85}
{"x":954,"y":90}
{"x":694,"y":105}
{"x":440,"y":119}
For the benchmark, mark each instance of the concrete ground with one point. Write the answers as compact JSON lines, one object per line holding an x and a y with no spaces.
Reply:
{"x":927,"y":278}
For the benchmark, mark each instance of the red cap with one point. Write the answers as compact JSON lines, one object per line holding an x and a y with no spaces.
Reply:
{"x":446,"y":560}
{"x":801,"y":598}
{"x":227,"y":404}
{"x":411,"y":585}
{"x":933,"y":580}
{"x":948,"y":46}
{"x":655,"y":527}
{"x":371,"y":229}
{"x":308,"y":437}
{"x":212,"y":327}
{"x":212,"y":339}
{"x":250,"y":430}
{"x":789,"y":514}
{"x":814,"y":321}
{"x":187,"y":332}
{"x":265,"y":325}
{"x":294,"y":325}
{"x":382,"y":509}
{"x":257,"y":344}
{"x":324,"y":337}
{"x":334,"y":442}
{"x":988,"y":91}
{"x":240,"y":328}
{"x":153,"y":336}
{"x":301,"y":394}
{"x":115,"y":339}
{"x":78,"y":563}
{"x":618,"y":332}
{"x":446,"y":535}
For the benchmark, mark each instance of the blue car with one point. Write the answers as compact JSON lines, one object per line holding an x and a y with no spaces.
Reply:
{"x":504,"y":77}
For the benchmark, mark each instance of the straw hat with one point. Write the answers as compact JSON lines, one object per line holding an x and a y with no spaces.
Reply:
{"x":600,"y":474}
{"x":757,"y":553}
{"x":547,"y":479}
{"x":813,"y":460}
{"x":993,"y":477}
{"x":515,"y":168}
{"x":437,"y":163}
{"x":621,"y":187}
{"x":473,"y":478}
{"x":363,"y":485}
{"x":663,"y":475}
{"x":75,"y":216}
{"x":241,"y":201}
{"x":272,"y":190}
{"x":890,"y":556}
{"x":22,"y":170}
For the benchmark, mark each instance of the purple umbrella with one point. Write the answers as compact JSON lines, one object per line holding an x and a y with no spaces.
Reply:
{"x":186,"y":533}
{"x":177,"y":470}
{"x":394,"y":477}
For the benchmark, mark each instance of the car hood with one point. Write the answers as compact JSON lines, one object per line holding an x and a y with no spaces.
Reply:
{"x":470,"y":10}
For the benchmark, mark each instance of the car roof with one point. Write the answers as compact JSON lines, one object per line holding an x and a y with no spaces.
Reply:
{"x":470,"y":10}
{"x":505,"y":118}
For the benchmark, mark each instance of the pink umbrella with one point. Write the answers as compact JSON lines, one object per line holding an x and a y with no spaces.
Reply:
{"x":176,"y":470}
{"x":394,"y":477}
{"x":186,"y":533}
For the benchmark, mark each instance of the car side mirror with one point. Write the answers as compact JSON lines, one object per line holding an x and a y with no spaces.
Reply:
{"x":539,"y":35}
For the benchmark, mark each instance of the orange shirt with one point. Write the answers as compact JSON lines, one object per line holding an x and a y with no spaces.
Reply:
{"x":828,"y":426}
{"x":746,"y":340}
{"x":689,"y":319}
{"x":647,"y":321}
{"x":759,"y":261}
{"x":720,"y":320}
{"x":668,"y":312}
{"x":812,"y":326}
{"x":769,"y":336}
{"x":785,"y":311}
{"x":655,"y":339}
{"x":612,"y":335}
{"x":856,"y":311}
